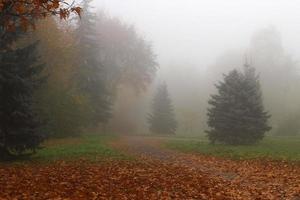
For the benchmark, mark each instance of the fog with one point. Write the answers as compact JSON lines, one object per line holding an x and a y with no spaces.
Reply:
{"x":198,"y":31}
{"x":197,"y":41}
{"x":150,"y":99}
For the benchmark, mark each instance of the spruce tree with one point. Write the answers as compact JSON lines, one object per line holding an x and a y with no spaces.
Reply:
{"x":91,"y":75}
{"x":162,"y":120}
{"x":237,"y":114}
{"x":19,"y":77}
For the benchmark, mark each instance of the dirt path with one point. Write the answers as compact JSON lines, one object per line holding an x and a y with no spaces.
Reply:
{"x":146,"y":147}
{"x":151,"y":148}
{"x":265,"y":179}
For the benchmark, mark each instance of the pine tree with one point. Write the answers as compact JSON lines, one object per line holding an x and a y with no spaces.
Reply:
{"x":58,"y":102}
{"x":18,"y":80}
{"x":237,"y":115}
{"x":90,"y":75}
{"x":162,"y":120}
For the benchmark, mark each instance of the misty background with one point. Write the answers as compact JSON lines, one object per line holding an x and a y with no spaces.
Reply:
{"x":199,"y":31}
{"x":197,"y":41}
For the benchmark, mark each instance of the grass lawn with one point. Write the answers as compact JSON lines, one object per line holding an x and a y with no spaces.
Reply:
{"x":89,"y":147}
{"x":275,"y":148}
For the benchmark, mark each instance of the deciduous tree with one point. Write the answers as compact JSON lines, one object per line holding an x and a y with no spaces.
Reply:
{"x":14,"y":13}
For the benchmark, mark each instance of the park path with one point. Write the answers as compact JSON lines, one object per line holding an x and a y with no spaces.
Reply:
{"x":152,"y":148}
{"x":259,"y":178}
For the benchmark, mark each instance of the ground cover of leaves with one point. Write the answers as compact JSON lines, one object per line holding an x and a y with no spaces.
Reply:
{"x":150,"y":179}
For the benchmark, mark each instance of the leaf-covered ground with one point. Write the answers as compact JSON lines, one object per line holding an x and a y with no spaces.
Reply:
{"x":156,"y":174}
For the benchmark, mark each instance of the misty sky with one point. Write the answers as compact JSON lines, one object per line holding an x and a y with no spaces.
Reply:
{"x":198,"y":31}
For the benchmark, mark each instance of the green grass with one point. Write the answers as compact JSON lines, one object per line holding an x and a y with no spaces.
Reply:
{"x":275,"y":148}
{"x":93,"y":148}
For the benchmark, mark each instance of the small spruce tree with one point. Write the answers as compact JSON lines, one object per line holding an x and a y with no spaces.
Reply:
{"x":162,"y":120}
{"x":237,"y":114}
{"x":18,"y":80}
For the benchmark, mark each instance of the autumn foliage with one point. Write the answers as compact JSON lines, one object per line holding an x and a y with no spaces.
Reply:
{"x":16,"y":13}
{"x":148,"y":180}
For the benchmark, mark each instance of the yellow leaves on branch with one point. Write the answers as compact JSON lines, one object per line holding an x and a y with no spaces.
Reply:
{"x":23,"y":12}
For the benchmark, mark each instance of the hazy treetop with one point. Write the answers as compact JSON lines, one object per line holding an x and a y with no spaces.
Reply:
{"x":205,"y":29}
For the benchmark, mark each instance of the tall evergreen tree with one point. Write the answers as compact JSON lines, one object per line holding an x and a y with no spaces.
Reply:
{"x":18,"y":80}
{"x":237,"y":115}
{"x":162,"y":120}
{"x":90,"y":74}
{"x":57,"y":102}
